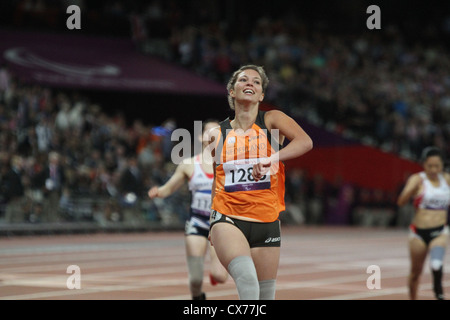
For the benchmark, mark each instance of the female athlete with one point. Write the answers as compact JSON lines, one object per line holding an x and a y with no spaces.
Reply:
{"x":430,"y":190}
{"x":248,"y":188}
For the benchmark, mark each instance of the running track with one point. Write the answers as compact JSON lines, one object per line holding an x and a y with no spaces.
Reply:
{"x":317,"y":263}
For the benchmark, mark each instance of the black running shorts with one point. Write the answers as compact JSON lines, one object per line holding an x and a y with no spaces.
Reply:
{"x":258,"y":234}
{"x":427,"y":235}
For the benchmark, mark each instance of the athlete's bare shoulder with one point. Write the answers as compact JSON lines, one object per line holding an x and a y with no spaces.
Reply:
{"x":188,"y":161}
{"x":415,"y":178}
{"x":413,"y":182}
{"x":212,"y":135}
{"x":187,"y":166}
{"x":447,"y":177}
{"x":275,"y":113}
{"x":274,"y":116}
{"x":213,"y":132}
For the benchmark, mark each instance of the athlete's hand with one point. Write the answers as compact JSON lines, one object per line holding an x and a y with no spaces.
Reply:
{"x":153,"y":192}
{"x":260,"y":169}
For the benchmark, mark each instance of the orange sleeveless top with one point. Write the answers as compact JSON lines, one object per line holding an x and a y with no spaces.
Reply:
{"x":236,"y":192}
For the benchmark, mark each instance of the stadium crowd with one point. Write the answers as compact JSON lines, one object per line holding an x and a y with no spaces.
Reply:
{"x":381,"y":87}
{"x":97,"y":156}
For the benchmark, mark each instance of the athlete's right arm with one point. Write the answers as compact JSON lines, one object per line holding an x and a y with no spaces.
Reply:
{"x":172,"y":185}
{"x":411,"y":187}
{"x":212,"y":135}
{"x":447,"y":177}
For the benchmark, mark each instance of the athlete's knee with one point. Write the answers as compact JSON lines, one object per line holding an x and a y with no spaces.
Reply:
{"x":435,"y":264}
{"x":243,"y":269}
{"x":243,"y":272}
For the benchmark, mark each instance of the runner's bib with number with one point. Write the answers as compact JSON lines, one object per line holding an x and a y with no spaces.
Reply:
{"x":238,"y":176}
{"x":201,"y":202}
{"x":200,"y":185}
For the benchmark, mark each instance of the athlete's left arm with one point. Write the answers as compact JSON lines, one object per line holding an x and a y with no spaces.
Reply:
{"x":299,"y":141}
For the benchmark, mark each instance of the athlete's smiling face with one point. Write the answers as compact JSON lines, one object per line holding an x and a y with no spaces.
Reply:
{"x":248,"y":87}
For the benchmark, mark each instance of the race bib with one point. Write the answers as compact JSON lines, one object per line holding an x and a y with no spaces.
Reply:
{"x":201,"y":202}
{"x":238,"y":176}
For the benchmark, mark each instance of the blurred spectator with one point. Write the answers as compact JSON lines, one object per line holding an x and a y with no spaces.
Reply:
{"x":131,"y":179}
{"x":52,"y":181}
{"x":341,"y":212}
{"x":131,"y":190}
{"x":62,"y":120}
{"x":44,"y":134}
{"x":317,"y":195}
{"x":13,"y":188}
{"x":5,"y":79}
{"x":361,"y":213}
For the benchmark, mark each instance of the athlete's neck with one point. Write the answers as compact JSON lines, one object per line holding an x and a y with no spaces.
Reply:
{"x":245,"y":116}
{"x":432,"y":177}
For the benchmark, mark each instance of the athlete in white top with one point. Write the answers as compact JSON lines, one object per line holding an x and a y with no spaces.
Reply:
{"x":200,"y":184}
{"x":430,"y":191}
{"x":199,"y":174}
{"x":433,"y":197}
